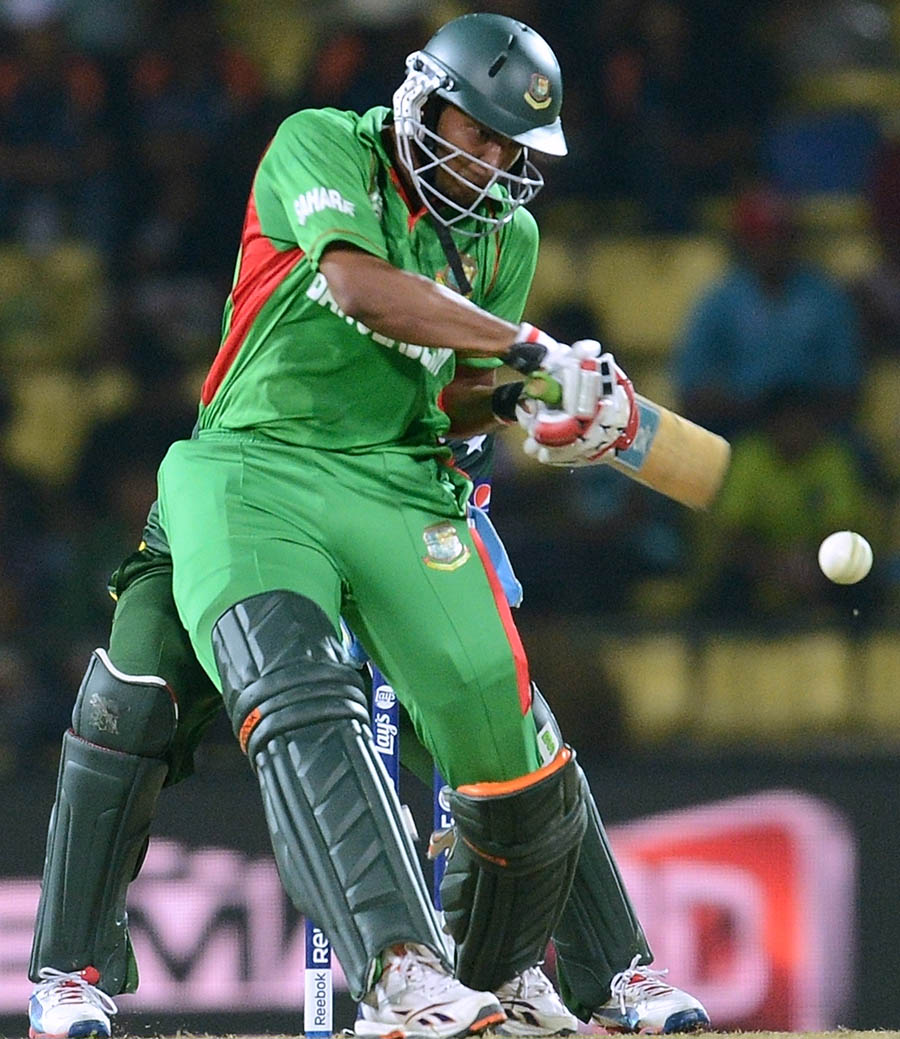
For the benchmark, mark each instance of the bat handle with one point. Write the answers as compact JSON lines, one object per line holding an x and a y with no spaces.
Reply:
{"x":543,"y":387}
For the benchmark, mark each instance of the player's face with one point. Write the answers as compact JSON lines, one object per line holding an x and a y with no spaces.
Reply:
{"x":463,"y":132}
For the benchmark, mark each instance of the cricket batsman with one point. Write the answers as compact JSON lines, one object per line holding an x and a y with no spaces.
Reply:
{"x":377,"y":251}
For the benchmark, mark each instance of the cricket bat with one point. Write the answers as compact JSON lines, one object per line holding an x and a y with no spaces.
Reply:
{"x":670,"y":454}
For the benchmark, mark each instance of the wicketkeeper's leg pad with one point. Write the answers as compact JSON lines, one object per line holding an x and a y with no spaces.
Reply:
{"x":299,"y":711}
{"x":111,"y":770}
{"x":598,"y":933}
{"x":135,"y":714}
{"x":105,"y":803}
{"x":511,"y":868}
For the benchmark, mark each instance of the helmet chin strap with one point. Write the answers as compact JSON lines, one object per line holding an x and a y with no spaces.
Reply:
{"x":448,"y":245}
{"x":443,"y":232}
{"x":430,"y":112}
{"x":453,"y":257}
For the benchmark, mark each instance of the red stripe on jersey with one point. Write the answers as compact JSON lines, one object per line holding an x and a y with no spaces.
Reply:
{"x":415,"y":215}
{"x":523,"y":679}
{"x":262,"y":269}
{"x":496,"y":269}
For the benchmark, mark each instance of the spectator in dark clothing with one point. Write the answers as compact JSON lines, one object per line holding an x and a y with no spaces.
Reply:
{"x":57,"y":170}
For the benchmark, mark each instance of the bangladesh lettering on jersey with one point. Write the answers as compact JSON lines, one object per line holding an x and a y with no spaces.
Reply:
{"x":294,"y":366}
{"x":432,"y":359}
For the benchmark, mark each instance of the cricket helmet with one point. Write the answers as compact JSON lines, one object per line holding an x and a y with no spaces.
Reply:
{"x":504,"y":75}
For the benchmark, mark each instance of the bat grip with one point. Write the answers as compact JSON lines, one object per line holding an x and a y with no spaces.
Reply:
{"x":543,"y":387}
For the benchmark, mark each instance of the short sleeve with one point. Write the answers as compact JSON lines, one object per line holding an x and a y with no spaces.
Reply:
{"x":312,"y":187}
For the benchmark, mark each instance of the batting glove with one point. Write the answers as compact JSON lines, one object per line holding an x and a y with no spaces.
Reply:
{"x":560,"y":437}
{"x":574,"y":367}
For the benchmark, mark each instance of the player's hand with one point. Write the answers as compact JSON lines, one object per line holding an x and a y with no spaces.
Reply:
{"x":556,"y":437}
{"x":574,"y":367}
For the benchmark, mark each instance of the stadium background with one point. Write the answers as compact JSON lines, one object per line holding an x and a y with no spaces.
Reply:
{"x":741,"y":745}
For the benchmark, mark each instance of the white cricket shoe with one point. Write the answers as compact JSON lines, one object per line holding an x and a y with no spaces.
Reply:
{"x":69,"y":1005}
{"x":640,"y":1001}
{"x":417,"y":996}
{"x":533,"y":1007}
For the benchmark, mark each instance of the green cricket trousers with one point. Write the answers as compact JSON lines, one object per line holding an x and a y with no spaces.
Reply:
{"x":379,"y":538}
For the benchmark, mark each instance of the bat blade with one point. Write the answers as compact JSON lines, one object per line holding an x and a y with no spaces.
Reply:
{"x":674,"y":456}
{"x":670,"y":454}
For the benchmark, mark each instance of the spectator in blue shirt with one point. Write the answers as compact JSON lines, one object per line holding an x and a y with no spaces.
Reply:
{"x":772,"y":320}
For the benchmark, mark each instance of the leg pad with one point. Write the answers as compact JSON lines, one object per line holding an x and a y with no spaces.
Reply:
{"x":136,"y":714}
{"x":105,"y":802}
{"x":598,"y":933}
{"x":299,"y":709}
{"x":511,"y":868}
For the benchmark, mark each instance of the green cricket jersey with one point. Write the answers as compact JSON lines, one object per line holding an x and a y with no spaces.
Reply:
{"x":294,"y":367}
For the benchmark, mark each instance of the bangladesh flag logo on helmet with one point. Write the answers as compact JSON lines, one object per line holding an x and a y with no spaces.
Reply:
{"x":538,"y":93}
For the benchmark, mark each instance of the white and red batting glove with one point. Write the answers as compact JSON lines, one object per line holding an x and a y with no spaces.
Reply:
{"x":596,"y":412}
{"x":573,"y":367}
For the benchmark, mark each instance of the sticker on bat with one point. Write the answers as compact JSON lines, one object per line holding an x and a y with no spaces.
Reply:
{"x":634,"y":457}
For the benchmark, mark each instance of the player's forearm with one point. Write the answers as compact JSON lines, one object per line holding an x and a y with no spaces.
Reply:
{"x":410,"y":307}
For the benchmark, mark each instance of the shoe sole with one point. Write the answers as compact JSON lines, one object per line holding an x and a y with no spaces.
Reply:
{"x":516,"y":1028}
{"x":87,"y":1030}
{"x":685,"y":1021}
{"x":526,"y":1032}
{"x":492,"y":1018}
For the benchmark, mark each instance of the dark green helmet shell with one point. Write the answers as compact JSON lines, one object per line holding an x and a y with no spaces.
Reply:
{"x":502,"y":73}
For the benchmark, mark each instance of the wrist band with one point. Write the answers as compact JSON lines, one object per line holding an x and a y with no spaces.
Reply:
{"x":525,"y":357}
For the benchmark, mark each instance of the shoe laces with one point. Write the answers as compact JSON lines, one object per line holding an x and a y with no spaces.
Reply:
{"x":643,"y":981}
{"x":59,"y":986}
{"x":531,"y":982}
{"x":417,"y":965}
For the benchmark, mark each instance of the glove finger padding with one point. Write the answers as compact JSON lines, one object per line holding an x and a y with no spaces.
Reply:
{"x":597,"y":377}
{"x":583,"y":389}
{"x":511,"y":869}
{"x":583,"y":372}
{"x":554,"y":428}
{"x":584,"y":378}
{"x":613,"y":426}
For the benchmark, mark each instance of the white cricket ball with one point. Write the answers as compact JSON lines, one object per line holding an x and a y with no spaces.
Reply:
{"x":845,"y":557}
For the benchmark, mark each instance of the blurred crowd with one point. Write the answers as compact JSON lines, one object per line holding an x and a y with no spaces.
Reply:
{"x":129,"y":132}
